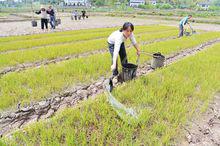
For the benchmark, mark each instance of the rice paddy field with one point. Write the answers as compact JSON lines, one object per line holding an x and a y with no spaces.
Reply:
{"x":34,"y":67}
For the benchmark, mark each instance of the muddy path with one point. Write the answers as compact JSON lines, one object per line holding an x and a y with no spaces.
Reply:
{"x":15,"y":119}
{"x":21,"y":28}
{"x":205,"y":129}
{"x":36,"y":64}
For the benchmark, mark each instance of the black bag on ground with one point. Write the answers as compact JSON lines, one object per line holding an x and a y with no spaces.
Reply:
{"x":34,"y":23}
{"x":128,"y":71}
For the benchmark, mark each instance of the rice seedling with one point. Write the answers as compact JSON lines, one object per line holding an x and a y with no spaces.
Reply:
{"x":34,"y":84}
{"x":75,"y":32}
{"x":44,"y":40}
{"x":168,"y":96}
{"x":55,"y":51}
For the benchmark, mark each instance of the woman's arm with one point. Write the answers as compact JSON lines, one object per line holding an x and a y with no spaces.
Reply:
{"x":48,"y":12}
{"x":138,"y":49}
{"x":135,"y":44}
{"x":115,"y":54}
{"x":38,"y":12}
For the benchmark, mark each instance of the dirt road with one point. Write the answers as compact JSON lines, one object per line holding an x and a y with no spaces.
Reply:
{"x":24,"y":27}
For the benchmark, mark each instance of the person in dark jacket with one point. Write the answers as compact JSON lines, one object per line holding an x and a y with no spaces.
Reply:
{"x":51,"y":13}
{"x":44,"y":18}
{"x":83,"y":14}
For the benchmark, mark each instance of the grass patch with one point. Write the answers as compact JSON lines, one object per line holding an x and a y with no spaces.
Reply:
{"x":73,"y":36}
{"x":55,"y":51}
{"x":35,"y":84}
{"x":171,"y":93}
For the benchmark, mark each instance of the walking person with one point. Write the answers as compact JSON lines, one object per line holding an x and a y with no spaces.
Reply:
{"x":117,"y":47}
{"x":51,"y":13}
{"x":182,"y":23}
{"x":75,"y":14}
{"x":44,"y":18}
{"x":83,"y":14}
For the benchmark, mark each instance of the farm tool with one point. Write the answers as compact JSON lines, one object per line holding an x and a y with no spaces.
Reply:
{"x":128,"y":73}
{"x":190,"y":33}
{"x":157,"y":61}
{"x":119,"y":108}
{"x":129,"y":70}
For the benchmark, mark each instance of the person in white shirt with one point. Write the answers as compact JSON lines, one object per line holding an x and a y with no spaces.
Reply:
{"x":116,"y":45}
{"x":75,"y":14}
{"x":44,"y":18}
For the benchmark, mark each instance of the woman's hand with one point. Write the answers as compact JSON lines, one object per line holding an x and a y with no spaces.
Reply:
{"x":138,"y":52}
{"x":138,"y":49}
{"x":113,"y":67}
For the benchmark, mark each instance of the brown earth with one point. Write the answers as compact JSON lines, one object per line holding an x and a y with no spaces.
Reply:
{"x":24,"y":27}
{"x":205,"y":129}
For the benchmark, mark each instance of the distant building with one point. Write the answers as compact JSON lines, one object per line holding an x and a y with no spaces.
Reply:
{"x":76,"y":2}
{"x":204,"y":5}
{"x":136,"y":3}
{"x":17,"y":1}
{"x":153,"y":2}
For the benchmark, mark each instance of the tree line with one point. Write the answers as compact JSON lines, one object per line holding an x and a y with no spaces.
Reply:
{"x":174,"y":3}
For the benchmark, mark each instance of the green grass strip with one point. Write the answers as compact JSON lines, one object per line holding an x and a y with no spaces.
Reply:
{"x":51,"y":52}
{"x":35,"y":84}
{"x":51,"y":35}
{"x":25,"y":44}
{"x":168,"y":98}
{"x":72,"y":32}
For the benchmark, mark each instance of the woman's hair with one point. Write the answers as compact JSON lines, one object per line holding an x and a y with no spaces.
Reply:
{"x":43,"y":9}
{"x":126,"y":26}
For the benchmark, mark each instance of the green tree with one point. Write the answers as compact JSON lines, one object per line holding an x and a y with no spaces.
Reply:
{"x":216,"y":3}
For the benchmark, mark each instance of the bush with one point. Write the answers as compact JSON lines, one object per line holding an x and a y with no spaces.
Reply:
{"x":99,"y":3}
{"x":165,"y":6}
{"x":147,"y":6}
{"x":214,"y":8}
{"x":142,"y":6}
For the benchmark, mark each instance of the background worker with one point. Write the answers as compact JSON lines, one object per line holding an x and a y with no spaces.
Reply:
{"x":83,"y":14}
{"x":116,"y":45}
{"x":51,"y":13}
{"x":182,"y":23}
{"x":75,"y":14}
{"x":44,"y":18}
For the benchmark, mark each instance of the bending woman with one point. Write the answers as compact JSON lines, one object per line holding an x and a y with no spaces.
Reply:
{"x":116,"y":45}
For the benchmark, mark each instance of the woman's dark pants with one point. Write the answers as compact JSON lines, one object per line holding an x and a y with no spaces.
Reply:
{"x":44,"y":22}
{"x":122,"y":54}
